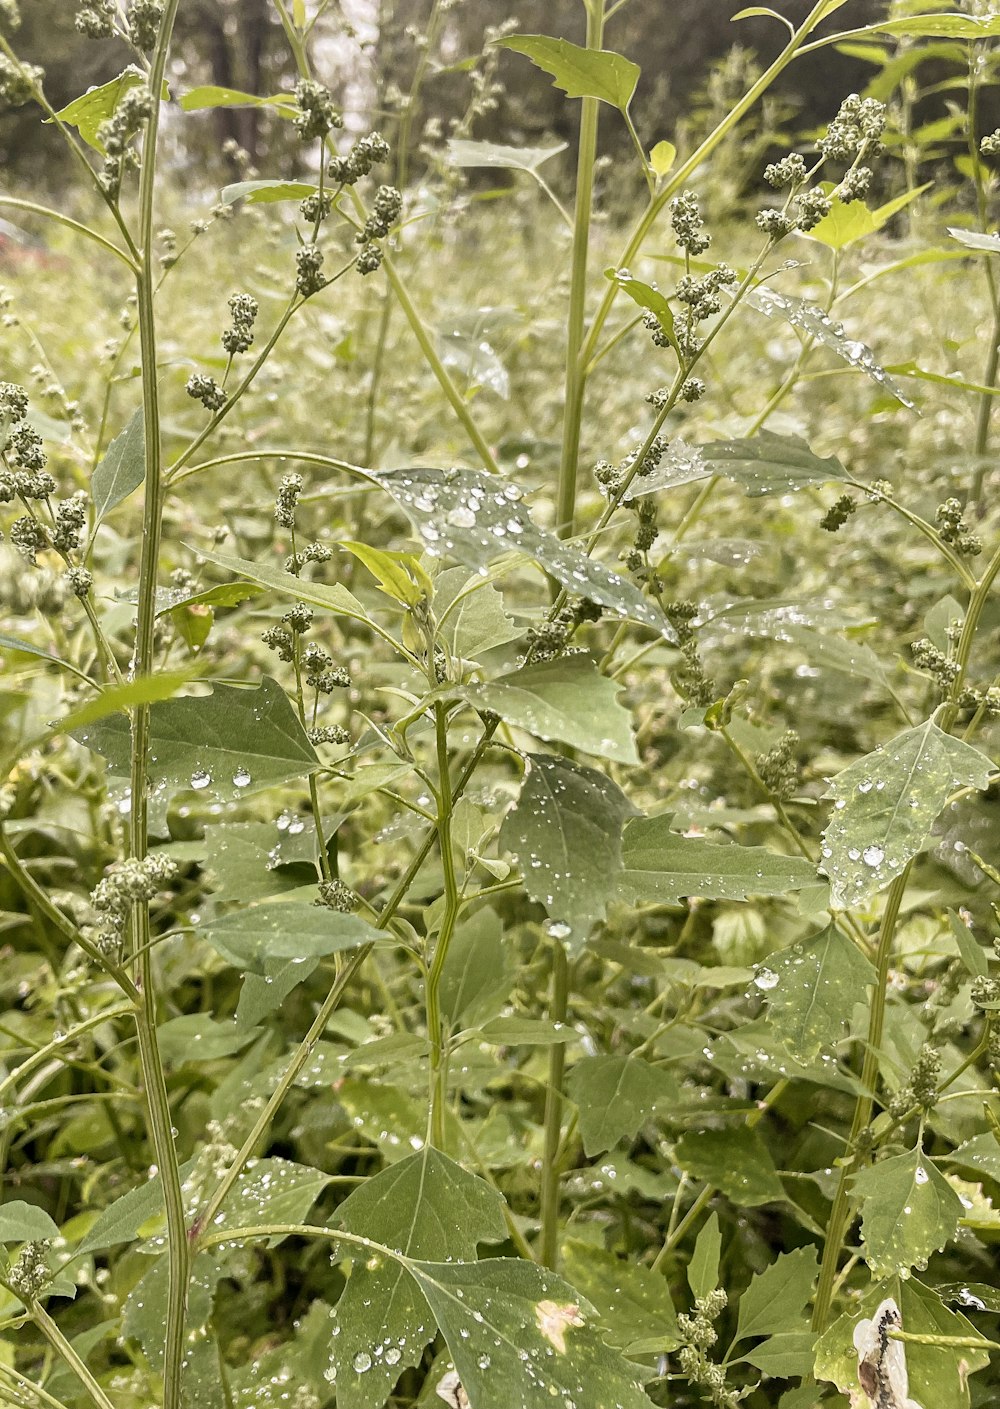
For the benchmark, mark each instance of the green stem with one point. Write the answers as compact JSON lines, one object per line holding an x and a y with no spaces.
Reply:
{"x":452,"y":900}
{"x":553,"y":1113}
{"x":32,"y":208}
{"x":576,"y":364}
{"x":39,"y":1057}
{"x":62,"y":1347}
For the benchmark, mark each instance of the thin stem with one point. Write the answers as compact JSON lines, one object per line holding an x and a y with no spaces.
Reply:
{"x":64,"y":1349}
{"x":33,"y":208}
{"x":41,"y":1056}
{"x":435,"y":1029}
{"x":553,"y":1113}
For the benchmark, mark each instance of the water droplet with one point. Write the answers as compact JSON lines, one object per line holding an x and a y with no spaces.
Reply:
{"x":241,"y":778}
{"x":362,"y":1362}
{"x":873,"y":856}
{"x":558,"y":929}
{"x":200,"y":779}
{"x":766,"y":979}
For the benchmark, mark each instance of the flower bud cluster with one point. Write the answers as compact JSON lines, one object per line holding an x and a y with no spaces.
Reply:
{"x":699,"y":1335}
{"x":370,"y":151}
{"x":927,"y":657}
{"x":385,"y":212}
{"x":201,"y":387}
{"x":317,"y":114}
{"x":856,"y":130}
{"x":321,"y":673}
{"x":96,"y":19}
{"x":311,"y":553}
{"x":129,"y":882}
{"x":329,"y":734}
{"x":335,"y":895}
{"x":778,"y":767}
{"x":308,"y":277}
{"x":990,"y":146}
{"x":838,"y":513}
{"x":31,"y":1271}
{"x":143,"y":22}
{"x":116,"y":132}
{"x":17,"y":82}
{"x":955,"y":531}
{"x":243,"y":309}
{"x":687,"y":223}
{"x":287,"y":500}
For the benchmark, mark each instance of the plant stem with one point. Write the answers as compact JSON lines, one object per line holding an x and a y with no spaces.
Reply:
{"x":435,"y":1030}
{"x":576,"y":364}
{"x":553,"y":1113}
{"x":62,"y":1347}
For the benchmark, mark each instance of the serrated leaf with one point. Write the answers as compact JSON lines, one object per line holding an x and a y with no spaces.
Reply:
{"x":22,"y":1222}
{"x":811,"y":989}
{"x":122,"y":469}
{"x":231,"y":742}
{"x":580,"y":73}
{"x":736,"y":1161}
{"x":975,"y":240}
{"x":615,"y":1096}
{"x":981,"y":1153}
{"x":282,"y":929}
{"x":271,"y":1191}
{"x":784,"y":1356}
{"x":632,"y":1301}
{"x":886,"y":803}
{"x":330,"y":597}
{"x":476,"y":517}
{"x":567,"y":700}
{"x":566,"y":832}
{"x":399,"y":575}
{"x":470,"y":614}
{"x":522,"y":1336}
{"x":461,"y":152}
{"x":770,"y":464}
{"x":908,"y":1211}
{"x":703,"y":1269}
{"x":776,"y":1298}
{"x":817,"y":324}
{"x":659,"y":864}
{"x":87,"y":112}
{"x":424,"y":1206}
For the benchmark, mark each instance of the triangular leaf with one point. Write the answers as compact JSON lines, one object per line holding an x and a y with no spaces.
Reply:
{"x":736,"y":1161}
{"x":633,"y":1301}
{"x":811,"y":988}
{"x":776,"y":1298}
{"x":580,"y":73}
{"x":659,"y":864}
{"x":615,"y":1096}
{"x":908,"y":1211}
{"x":281,"y":929}
{"x":123,"y":468}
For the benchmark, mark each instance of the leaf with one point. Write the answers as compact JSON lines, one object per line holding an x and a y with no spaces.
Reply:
{"x":736,"y":1162}
{"x":850,"y":221}
{"x":265,"y":992}
{"x":399,"y":575}
{"x":770,"y":464}
{"x":492,"y":154}
{"x":424,"y":1206}
{"x":662,"y":158}
{"x":271,"y":1191}
{"x":886,"y":803}
{"x":703,"y":1269}
{"x":21,"y":1222}
{"x":232,"y":742}
{"x":565,"y":699}
{"x":196,"y":1037}
{"x":615,"y":1096}
{"x":522,"y":1336}
{"x":632,"y":1301}
{"x":123,"y":468}
{"x":974,"y":956}
{"x":681,"y":464}
{"x":210,"y":95}
{"x":940,"y":27}
{"x":440,"y":504}
{"x":974,"y":240}
{"x":659,"y":864}
{"x":28,"y":648}
{"x":330,"y":597}
{"x":839,"y":653}
{"x":776,"y":1298}
{"x":816,"y":323}
{"x":267,"y":192}
{"x":784,"y":1356}
{"x":908,"y":1211}
{"x":470,"y":614}
{"x":580,"y":73}
{"x":282,"y":929}
{"x":565,"y":831}
{"x":524,"y":1032}
{"x":811,"y":989}
{"x":981,"y":1153}
{"x":389,"y":1118}
{"x":649,"y":297}
{"x":149,"y":689}
{"x":87,"y":112}
{"x":478,"y":972}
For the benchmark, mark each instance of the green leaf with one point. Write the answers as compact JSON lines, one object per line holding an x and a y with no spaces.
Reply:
{"x":703,"y":1269}
{"x":267,"y":192}
{"x":580,"y":73}
{"x":196,"y":1037}
{"x":123,"y":468}
{"x":566,"y":832}
{"x":908,"y":1211}
{"x":974,"y":956}
{"x":437,"y":503}
{"x":150,"y":689}
{"x":661,"y":865}
{"x":736,"y":1161}
{"x":478,"y":972}
{"x":816,"y":323}
{"x":87,"y":112}
{"x":811,"y":989}
{"x":424,"y":1206}
{"x":886,"y":803}
{"x":770,"y":464}
{"x":331,"y":598}
{"x":975,"y":240}
{"x":784,"y":1356}
{"x":271,"y":1191}
{"x":470,"y":614}
{"x":21,"y":1223}
{"x":231,"y":742}
{"x":565,"y":699}
{"x":938,"y":1374}
{"x":850,"y":221}
{"x":249,"y":861}
{"x":123,"y":1220}
{"x":393,"y":1122}
{"x":522,"y":1336}
{"x":939,"y":27}
{"x":649,"y":297}
{"x":461,"y":152}
{"x":776,"y":1298}
{"x":524,"y":1032}
{"x":662,"y":158}
{"x":399,"y":575}
{"x":632,"y":1301}
{"x":283,"y":929}
{"x":981,"y":1153}
{"x":615,"y":1096}
{"x":846,"y":656}
{"x":265,"y":992}
{"x":210,"y":95}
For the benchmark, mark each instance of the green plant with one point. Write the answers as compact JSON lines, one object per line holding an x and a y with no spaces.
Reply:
{"x":452,"y":968}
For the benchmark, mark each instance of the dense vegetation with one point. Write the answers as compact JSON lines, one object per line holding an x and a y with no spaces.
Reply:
{"x":499,"y":857}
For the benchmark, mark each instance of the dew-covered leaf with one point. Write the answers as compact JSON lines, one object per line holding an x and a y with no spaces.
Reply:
{"x":580,"y":73}
{"x":263,"y":993}
{"x":981,"y":1153}
{"x":886,"y":803}
{"x":770,"y":464}
{"x":565,"y":699}
{"x":735,"y":1161}
{"x":461,"y":152}
{"x":196,"y":1037}
{"x":649,"y":297}
{"x":776,"y":1298}
{"x":615,"y":1096}
{"x":271,"y":1191}
{"x":680,"y":463}
{"x":470,"y":614}
{"x":282,"y":929}
{"x":475,"y":518}
{"x":659,"y":864}
{"x":908,"y":1211}
{"x":816,"y":323}
{"x":123,"y":467}
{"x":838,"y":653}
{"x":524,"y":1032}
{"x":632,"y":1301}
{"x":566,"y":832}
{"x":388,"y":1117}
{"x":425,"y":1206}
{"x":522,"y":1336}
{"x":21,"y":1222}
{"x":703,"y":1268}
{"x":230,"y":743}
{"x":811,"y":988}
